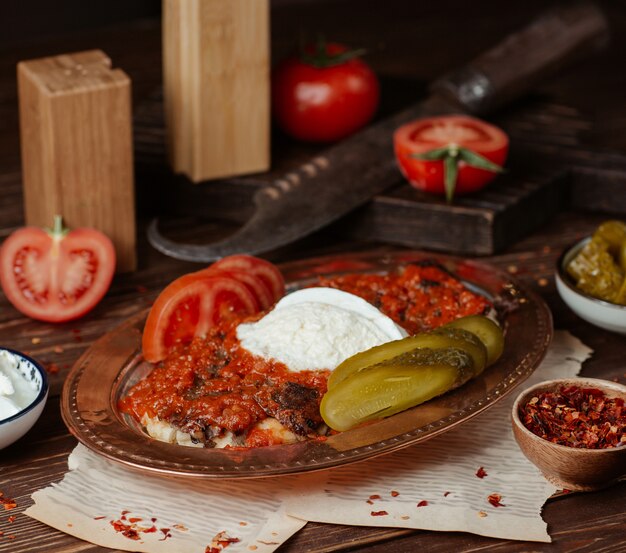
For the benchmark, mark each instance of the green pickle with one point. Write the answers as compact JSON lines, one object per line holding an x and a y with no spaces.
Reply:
{"x":439,"y":339}
{"x":395,"y":376}
{"x":394,"y":385}
{"x":487,"y":330}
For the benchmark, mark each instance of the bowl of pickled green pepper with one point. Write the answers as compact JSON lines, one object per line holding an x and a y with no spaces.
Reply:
{"x":591,"y":277}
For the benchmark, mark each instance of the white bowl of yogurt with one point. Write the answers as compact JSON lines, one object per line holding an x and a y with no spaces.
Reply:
{"x":23,"y":394}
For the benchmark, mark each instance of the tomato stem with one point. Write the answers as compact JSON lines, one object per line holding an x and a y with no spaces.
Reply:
{"x":319,"y":57}
{"x":58,"y":230}
{"x":451,"y":155}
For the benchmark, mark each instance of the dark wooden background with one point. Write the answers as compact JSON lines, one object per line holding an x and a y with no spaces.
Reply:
{"x":410,"y":43}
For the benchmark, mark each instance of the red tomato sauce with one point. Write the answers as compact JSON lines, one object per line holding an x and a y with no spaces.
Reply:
{"x":419,"y":298}
{"x":214,"y":382}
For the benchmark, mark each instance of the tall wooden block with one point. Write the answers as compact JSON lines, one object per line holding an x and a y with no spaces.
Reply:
{"x":216,"y":86}
{"x":77,"y":152}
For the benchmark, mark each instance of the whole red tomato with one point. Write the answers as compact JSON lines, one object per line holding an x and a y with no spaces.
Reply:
{"x":471,"y":151}
{"x":56,"y":275}
{"x":324,"y":95}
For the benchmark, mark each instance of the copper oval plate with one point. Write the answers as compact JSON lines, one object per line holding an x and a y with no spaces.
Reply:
{"x":114,"y":363}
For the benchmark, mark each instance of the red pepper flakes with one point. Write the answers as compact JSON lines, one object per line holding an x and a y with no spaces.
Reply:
{"x":481,"y":472}
{"x":52,"y":368}
{"x":181,"y":527}
{"x":482,"y":514}
{"x":394,"y":493}
{"x":150,"y":530}
{"x":379,"y":513}
{"x":376,"y":496}
{"x":423,"y":503}
{"x":369,"y":502}
{"x":220,"y":541}
{"x":58,"y":349}
{"x":11,"y":536}
{"x":446,"y":494}
{"x":135,"y":519}
{"x":7,"y":502}
{"x":576,"y":417}
{"x":98,"y":518}
{"x":495,"y":499}
{"x":1,"y":533}
{"x":166,"y":533}
{"x":126,"y":530}
{"x":11,"y":519}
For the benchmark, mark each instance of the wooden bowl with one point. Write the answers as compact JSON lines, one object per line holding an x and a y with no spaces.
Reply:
{"x":568,"y":467}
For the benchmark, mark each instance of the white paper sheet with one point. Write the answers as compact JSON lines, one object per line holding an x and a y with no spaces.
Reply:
{"x":262,"y":514}
{"x":96,"y":492}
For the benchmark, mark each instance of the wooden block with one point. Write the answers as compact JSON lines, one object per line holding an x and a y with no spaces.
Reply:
{"x":216,"y":86}
{"x":77,"y":153}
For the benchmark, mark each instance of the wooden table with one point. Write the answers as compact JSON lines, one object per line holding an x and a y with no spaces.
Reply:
{"x":578,"y":522}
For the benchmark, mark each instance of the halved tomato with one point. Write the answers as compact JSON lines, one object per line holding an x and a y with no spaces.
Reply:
{"x":266,"y":271}
{"x":189,"y":307}
{"x":259,"y":288}
{"x":459,"y":132}
{"x":56,"y":275}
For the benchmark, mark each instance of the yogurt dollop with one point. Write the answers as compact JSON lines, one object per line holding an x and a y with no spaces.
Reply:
{"x":317,"y":328}
{"x":16,"y":392}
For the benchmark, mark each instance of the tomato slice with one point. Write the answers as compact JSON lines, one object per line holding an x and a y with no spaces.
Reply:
{"x":427,"y":134}
{"x":189,"y":307}
{"x":263,"y":295}
{"x":56,"y":276}
{"x":264,"y":270}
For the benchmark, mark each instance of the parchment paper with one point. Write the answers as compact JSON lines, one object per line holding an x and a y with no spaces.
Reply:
{"x":430,"y":486}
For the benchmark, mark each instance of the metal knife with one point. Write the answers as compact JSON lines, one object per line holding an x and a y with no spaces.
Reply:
{"x":308,"y":199}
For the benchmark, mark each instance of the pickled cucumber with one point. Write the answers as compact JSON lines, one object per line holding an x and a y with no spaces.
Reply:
{"x":394,"y":385}
{"x":488,"y":331}
{"x":439,"y":339}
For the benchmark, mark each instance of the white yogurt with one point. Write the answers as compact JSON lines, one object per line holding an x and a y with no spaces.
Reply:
{"x":317,"y":328}
{"x":16,"y":391}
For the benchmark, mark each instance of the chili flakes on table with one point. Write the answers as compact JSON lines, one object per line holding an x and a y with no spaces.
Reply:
{"x":576,"y":417}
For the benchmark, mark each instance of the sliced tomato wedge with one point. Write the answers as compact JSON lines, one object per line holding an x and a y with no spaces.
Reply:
{"x":189,"y":307}
{"x":259,"y":288}
{"x":264,"y":270}
{"x":56,"y":275}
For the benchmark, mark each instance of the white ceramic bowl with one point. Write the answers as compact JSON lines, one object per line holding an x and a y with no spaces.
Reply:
{"x":14,"y":427}
{"x":597,"y":312}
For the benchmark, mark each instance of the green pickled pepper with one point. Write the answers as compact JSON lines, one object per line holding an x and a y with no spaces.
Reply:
{"x":595,"y":271}
{"x":614,"y":234}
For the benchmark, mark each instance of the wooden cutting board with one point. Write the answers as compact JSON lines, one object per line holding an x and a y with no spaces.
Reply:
{"x":548,"y":169}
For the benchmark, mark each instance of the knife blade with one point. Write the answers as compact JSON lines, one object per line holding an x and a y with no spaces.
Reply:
{"x":305,"y":200}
